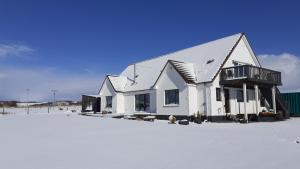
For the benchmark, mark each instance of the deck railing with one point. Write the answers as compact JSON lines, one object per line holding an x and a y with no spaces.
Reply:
{"x":251,"y":73}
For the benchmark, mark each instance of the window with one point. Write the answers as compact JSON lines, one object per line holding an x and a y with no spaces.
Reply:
{"x":108,"y":101}
{"x":218,"y":94}
{"x":262,"y":102}
{"x":171,"y":97}
{"x":240,"y":96}
{"x":142,"y":102}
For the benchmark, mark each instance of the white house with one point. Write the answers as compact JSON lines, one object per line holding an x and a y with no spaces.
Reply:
{"x":219,"y":78}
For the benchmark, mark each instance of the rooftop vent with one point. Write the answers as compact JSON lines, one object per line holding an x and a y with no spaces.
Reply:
{"x":210,"y":61}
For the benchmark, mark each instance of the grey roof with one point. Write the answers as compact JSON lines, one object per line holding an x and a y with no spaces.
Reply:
{"x":200,"y":63}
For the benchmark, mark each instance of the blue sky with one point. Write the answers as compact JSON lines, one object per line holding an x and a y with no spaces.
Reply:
{"x":75,"y":41}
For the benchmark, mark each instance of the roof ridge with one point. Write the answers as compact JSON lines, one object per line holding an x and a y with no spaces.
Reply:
{"x":241,"y":33}
{"x":113,"y":75}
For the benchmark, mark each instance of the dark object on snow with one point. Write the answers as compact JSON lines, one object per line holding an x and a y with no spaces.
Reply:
{"x":130,"y":117}
{"x":297,"y":141}
{"x":118,"y":116}
{"x":279,"y":115}
{"x":149,"y":118}
{"x":243,"y":121}
{"x":172,"y":119}
{"x":183,"y":122}
{"x":253,"y":117}
{"x":106,"y":112}
{"x":198,"y":118}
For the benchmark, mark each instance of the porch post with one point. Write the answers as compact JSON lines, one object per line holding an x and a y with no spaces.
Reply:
{"x":274,"y":99}
{"x":256,"y":98}
{"x":223,"y":99}
{"x":245,"y":100}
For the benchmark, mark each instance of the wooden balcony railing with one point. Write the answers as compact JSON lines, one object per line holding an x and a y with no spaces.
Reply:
{"x":250,"y":73}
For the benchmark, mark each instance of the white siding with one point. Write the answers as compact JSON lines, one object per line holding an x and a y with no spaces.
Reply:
{"x":235,"y":107}
{"x":107,"y":90}
{"x":217,"y":108}
{"x":170,"y":79}
{"x":240,"y":54}
{"x":201,"y":99}
{"x":238,"y":107}
{"x":118,"y":103}
{"x":193,"y":99}
{"x":129,"y":98}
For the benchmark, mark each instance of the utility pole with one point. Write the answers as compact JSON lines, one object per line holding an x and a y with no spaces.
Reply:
{"x":54,"y":93}
{"x":3,"y":106}
{"x":27,"y":96}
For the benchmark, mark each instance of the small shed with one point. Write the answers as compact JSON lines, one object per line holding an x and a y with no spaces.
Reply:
{"x":91,"y":103}
{"x":293,"y":100}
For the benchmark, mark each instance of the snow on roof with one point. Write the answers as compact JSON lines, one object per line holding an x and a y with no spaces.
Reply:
{"x":187,"y":70}
{"x":118,"y":82}
{"x":201,"y":64}
{"x":92,"y":95}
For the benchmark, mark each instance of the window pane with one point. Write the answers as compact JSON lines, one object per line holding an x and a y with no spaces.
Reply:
{"x":218,"y":94}
{"x":172,"y":96}
{"x":142,"y":102}
{"x":241,"y":71}
{"x":240,"y":96}
{"x":108,"y":101}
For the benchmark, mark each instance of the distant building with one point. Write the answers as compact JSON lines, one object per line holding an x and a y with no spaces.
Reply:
{"x":62,"y":103}
{"x":24,"y":104}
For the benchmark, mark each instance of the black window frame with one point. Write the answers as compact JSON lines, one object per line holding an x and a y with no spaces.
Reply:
{"x":172,"y":97}
{"x":108,"y":100}
{"x":241,"y":95}
{"x":218,"y":94}
{"x":142,"y":102}
{"x":262,"y":101}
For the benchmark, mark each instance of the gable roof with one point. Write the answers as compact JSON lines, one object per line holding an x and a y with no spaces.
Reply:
{"x":185,"y":70}
{"x":197,"y":64}
{"x":117,"y":82}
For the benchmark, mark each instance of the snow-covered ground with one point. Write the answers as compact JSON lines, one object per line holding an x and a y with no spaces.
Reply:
{"x":65,"y":140}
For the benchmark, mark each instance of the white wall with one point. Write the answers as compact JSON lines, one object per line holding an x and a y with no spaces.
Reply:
{"x":129,"y":101}
{"x":107,"y":90}
{"x":193,"y":99}
{"x":118,"y":103}
{"x":217,"y":108}
{"x":202,"y":99}
{"x":238,"y":107}
{"x":170,"y":79}
{"x":240,"y":54}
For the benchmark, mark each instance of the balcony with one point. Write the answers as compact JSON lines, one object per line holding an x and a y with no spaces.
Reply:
{"x":249,"y":74}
